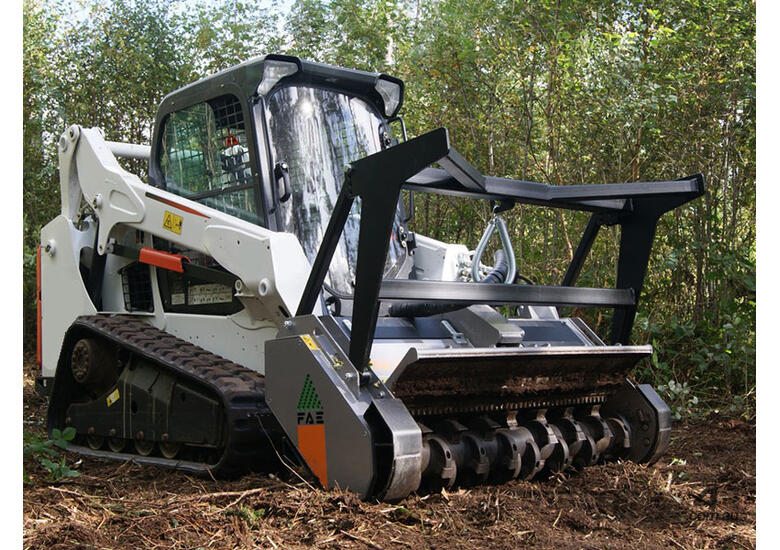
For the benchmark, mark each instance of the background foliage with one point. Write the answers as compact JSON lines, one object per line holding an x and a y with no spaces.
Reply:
{"x":555,"y":91}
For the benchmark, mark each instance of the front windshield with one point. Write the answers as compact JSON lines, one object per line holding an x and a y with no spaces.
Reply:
{"x":317,"y":132}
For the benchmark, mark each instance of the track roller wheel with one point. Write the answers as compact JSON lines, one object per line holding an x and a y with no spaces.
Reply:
{"x":169,"y":450}
{"x":117,"y":444}
{"x":95,"y":442}
{"x":143,"y":448}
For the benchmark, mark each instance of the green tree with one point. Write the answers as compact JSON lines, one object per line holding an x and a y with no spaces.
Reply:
{"x":555,"y":91}
{"x":41,"y":192}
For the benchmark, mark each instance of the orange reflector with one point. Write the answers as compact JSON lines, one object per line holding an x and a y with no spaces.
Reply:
{"x":230,"y":141}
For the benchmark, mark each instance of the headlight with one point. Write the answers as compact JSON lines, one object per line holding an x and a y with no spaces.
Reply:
{"x":273,"y":72}
{"x":391,"y":95}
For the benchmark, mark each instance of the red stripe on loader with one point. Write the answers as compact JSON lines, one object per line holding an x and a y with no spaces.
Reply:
{"x":176,"y":205}
{"x":311,"y":444}
{"x":38,"y":328}
{"x":165,"y":260}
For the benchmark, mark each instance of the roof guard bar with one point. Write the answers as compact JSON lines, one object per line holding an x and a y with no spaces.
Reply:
{"x":378,"y":179}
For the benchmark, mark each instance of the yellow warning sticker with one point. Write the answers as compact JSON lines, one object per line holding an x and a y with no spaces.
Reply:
{"x":112,"y":398}
{"x":309,"y":341}
{"x":172,"y":222}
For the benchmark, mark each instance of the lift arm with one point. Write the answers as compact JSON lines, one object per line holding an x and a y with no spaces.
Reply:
{"x":271,"y":267}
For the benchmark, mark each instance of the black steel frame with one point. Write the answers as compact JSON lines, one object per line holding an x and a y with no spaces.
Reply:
{"x":378,"y":179}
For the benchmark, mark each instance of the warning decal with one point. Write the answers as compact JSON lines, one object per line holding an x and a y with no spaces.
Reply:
{"x":309,"y":341}
{"x":172,"y":222}
{"x":112,"y":398}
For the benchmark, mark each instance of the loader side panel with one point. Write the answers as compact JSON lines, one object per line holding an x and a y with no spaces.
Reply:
{"x":63,"y":295}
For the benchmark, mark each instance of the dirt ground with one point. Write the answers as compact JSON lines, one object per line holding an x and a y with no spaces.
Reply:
{"x":702,"y":494}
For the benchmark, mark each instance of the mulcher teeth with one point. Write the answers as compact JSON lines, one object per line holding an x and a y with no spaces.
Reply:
{"x":526,"y":445}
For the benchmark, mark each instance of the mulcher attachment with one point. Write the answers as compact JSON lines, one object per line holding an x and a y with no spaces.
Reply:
{"x":357,"y":432}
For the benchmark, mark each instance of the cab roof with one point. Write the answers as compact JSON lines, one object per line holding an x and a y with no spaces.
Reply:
{"x":248,"y":75}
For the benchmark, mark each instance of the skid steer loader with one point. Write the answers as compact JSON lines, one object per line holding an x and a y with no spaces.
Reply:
{"x":261,"y":299}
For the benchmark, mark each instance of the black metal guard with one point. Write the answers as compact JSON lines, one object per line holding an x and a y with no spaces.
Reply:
{"x":378,"y":179}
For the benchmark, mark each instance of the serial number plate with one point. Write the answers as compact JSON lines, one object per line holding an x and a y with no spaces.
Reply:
{"x":209,"y":294}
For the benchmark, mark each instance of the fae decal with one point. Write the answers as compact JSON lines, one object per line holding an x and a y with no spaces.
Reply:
{"x":311,"y":431}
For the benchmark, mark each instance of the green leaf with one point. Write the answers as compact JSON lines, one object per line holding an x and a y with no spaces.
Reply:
{"x":69,"y":433}
{"x":49,"y":451}
{"x":48,"y":464}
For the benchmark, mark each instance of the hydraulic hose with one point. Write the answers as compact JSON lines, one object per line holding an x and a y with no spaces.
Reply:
{"x":496,"y":223}
{"x":417,"y":309}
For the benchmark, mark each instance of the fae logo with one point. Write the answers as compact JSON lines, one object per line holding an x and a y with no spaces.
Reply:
{"x":311,"y":431}
{"x":309,"y":405}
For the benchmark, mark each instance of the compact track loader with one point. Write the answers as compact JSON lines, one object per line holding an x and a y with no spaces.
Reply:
{"x":261,"y":299}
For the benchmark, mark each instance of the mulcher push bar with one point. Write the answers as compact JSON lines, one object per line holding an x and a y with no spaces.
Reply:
{"x":453,"y":292}
{"x":378,"y":179}
{"x":607,"y":197}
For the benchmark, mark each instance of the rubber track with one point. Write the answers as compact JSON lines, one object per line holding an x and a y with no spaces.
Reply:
{"x":241,"y":390}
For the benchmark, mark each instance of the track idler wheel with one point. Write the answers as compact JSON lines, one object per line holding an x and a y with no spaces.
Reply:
{"x":93,"y":365}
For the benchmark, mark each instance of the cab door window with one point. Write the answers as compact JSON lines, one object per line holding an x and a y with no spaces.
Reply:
{"x":205,"y":157}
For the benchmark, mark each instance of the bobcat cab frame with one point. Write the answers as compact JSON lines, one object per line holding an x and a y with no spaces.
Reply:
{"x":231,"y":310}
